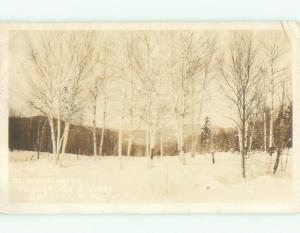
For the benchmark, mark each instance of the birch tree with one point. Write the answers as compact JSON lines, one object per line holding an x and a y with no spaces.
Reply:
{"x":121,"y":72}
{"x":191,"y":57}
{"x":99,"y":95}
{"x":201,"y":84}
{"x":241,"y":84}
{"x":144,"y":57}
{"x":273,"y":50}
{"x":59,"y":63}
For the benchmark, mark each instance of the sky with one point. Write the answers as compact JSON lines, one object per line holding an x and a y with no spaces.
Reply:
{"x":215,"y":106}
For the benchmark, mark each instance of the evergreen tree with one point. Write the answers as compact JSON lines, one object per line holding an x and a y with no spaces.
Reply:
{"x":206,"y":134}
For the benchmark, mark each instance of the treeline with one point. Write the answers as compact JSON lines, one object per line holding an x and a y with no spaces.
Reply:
{"x":257,"y":135}
{"x":33,"y":134}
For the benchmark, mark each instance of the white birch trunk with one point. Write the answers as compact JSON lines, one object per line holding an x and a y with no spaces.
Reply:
{"x":130,"y":137}
{"x":52,"y":136}
{"x":65,"y":137}
{"x":94,"y":137}
{"x":147,"y":142}
{"x":129,"y":143}
{"x":94,"y":123}
{"x":178,"y":138}
{"x":271,"y":130}
{"x":152,"y":144}
{"x":182,"y":139}
{"x":120,"y":142}
{"x":120,"y":146}
{"x":246,"y":143}
{"x":161,"y":144}
{"x":58,"y":142}
{"x":272,"y":109}
{"x":251,"y":136}
{"x":240,"y":139}
{"x":193,"y":134}
{"x":102,"y":135}
{"x":101,"y":141}
{"x":265,"y":131}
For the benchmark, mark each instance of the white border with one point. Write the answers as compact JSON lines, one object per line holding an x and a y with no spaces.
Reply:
{"x":292,"y":30}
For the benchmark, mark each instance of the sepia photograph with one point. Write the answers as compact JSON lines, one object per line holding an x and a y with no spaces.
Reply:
{"x":168,"y":114}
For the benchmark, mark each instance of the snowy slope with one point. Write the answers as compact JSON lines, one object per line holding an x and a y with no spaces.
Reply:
{"x":85,"y":179}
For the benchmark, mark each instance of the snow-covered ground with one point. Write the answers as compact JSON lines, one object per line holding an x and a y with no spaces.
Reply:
{"x":86,"y":179}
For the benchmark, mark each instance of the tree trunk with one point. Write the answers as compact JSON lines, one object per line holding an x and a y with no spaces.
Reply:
{"x":94,"y":123}
{"x":243,"y":165}
{"x":65,"y":137}
{"x":213,"y":157}
{"x":148,"y":155}
{"x":94,"y":137}
{"x":58,"y":142}
{"x":120,"y":142}
{"x":265,"y":131}
{"x":182,"y":139}
{"x":251,"y":136}
{"x":271,"y":115}
{"x":246,"y":138}
{"x":193,"y":149}
{"x":193,"y":136}
{"x":37,"y":146}
{"x":101,"y":141}
{"x":129,"y":143}
{"x":277,"y":160}
{"x":286,"y":160}
{"x":196,"y":141}
{"x":243,"y":152}
{"x":161,"y":143}
{"x":240,"y":139}
{"x":52,"y":136}
{"x":103,"y":129}
{"x":130,"y":130}
{"x":271,"y":131}
{"x":40,"y":139}
{"x":152,"y":144}
{"x":147,"y":142}
{"x":178,"y":139}
{"x":281,"y":138}
{"x":244,"y":123}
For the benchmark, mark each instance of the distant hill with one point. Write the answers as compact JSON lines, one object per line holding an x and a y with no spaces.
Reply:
{"x":24,"y":131}
{"x":23,"y":135}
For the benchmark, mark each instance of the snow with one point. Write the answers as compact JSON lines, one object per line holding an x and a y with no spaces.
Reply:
{"x":134,"y":180}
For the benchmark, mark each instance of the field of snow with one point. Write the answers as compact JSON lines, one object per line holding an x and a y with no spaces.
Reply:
{"x":133,"y":180}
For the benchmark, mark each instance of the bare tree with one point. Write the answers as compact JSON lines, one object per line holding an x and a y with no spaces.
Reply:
{"x":282,"y":126}
{"x":99,"y":94}
{"x":94,"y":93}
{"x":104,"y":105}
{"x":201,"y":83}
{"x":143,"y":52}
{"x":130,"y":110}
{"x":241,"y":75}
{"x":60,"y":64}
{"x":273,"y":51}
{"x":191,"y":58}
{"x":40,"y":136}
{"x":121,"y":74}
